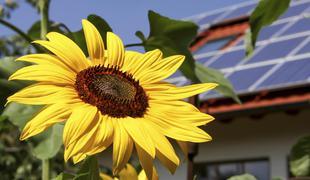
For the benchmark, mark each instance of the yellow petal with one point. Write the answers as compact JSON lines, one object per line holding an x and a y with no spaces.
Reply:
{"x":84,"y":144}
{"x":177,"y":130}
{"x":69,"y":55}
{"x":142,"y":175}
{"x":138,"y":134}
{"x":104,"y":136}
{"x":94,"y":42}
{"x":81,"y":121}
{"x":143,"y":64}
{"x":78,"y":158}
{"x":164,"y":150}
{"x":44,"y":119}
{"x":128,"y":173}
{"x":44,"y":73}
{"x":181,"y":92}
{"x":115,"y":50}
{"x":161,"y":70}
{"x":39,"y":94}
{"x":46,"y":59}
{"x":122,"y":147}
{"x":186,"y":112}
{"x":131,"y":57}
{"x":146,"y":161}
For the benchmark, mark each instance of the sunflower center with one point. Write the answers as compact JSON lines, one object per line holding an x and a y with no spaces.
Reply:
{"x":113,"y":92}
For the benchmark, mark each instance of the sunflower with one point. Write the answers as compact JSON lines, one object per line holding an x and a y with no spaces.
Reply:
{"x":113,"y":97}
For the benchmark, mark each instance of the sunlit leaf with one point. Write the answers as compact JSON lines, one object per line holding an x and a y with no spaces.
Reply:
{"x":89,"y":170}
{"x":102,"y":26}
{"x":300,"y":157}
{"x":266,"y":12}
{"x":211,"y":75}
{"x":172,"y":37}
{"x":49,"y":146}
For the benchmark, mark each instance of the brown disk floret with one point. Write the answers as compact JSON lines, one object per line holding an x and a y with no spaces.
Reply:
{"x":113,"y":92}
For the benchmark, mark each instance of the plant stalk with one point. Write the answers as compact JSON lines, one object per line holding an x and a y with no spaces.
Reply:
{"x":45,"y":169}
{"x":43,"y":7}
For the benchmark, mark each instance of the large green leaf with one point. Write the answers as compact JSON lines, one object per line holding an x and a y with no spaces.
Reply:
{"x":266,"y":12}
{"x":242,"y":177}
{"x":300,"y":157}
{"x":89,"y":170}
{"x":34,"y":31}
{"x":172,"y":37}
{"x":102,"y":26}
{"x":49,"y":146}
{"x":211,"y":75}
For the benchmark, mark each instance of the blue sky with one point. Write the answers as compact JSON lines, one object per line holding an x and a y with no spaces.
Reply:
{"x":124,"y":16}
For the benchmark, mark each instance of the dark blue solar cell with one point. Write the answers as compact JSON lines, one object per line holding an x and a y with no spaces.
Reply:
{"x":295,"y":10}
{"x":214,"y":45}
{"x":267,"y":32}
{"x":242,"y":11}
{"x":300,"y":26}
{"x":243,"y":79}
{"x":290,"y":72}
{"x":276,"y":50}
{"x":204,"y":60}
{"x":228,"y":59}
{"x":209,"y":19}
{"x":305,"y":49}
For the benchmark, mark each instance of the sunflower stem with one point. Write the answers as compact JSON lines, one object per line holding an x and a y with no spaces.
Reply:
{"x":19,"y":32}
{"x":43,"y":7}
{"x":45,"y":169}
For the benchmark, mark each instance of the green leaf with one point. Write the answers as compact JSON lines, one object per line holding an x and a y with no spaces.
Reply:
{"x":20,"y":114}
{"x":172,"y":37}
{"x":8,"y":66}
{"x":266,"y":12}
{"x":211,"y":75}
{"x":300,"y":157}
{"x":64,"y":176}
{"x":89,"y":170}
{"x":49,"y":146}
{"x":34,"y":31}
{"x":102,"y":26}
{"x":242,"y":177}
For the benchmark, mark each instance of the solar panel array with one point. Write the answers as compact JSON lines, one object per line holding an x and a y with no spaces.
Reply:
{"x":281,"y":58}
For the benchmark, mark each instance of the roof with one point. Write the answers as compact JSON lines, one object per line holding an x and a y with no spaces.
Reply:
{"x":281,"y":58}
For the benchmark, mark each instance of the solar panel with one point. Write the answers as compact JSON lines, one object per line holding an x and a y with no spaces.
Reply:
{"x":276,"y":50}
{"x":269,"y":31}
{"x":295,"y":10}
{"x":290,"y":72}
{"x":277,"y":58}
{"x":209,"y":18}
{"x":243,"y":79}
{"x":243,"y":11}
{"x":228,"y":59}
{"x":300,"y":26}
{"x":305,"y":49}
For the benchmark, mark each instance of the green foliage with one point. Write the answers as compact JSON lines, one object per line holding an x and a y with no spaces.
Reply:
{"x":211,"y":75}
{"x":172,"y":37}
{"x":102,"y":26}
{"x":64,"y":176}
{"x":89,"y":170}
{"x":266,"y":12}
{"x":48,"y":147}
{"x":34,"y":31}
{"x":300,"y":157}
{"x":242,"y":177}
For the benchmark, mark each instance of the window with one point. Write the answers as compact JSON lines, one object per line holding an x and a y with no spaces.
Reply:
{"x":223,"y":170}
{"x":214,"y":45}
